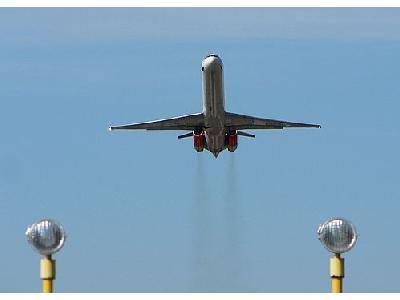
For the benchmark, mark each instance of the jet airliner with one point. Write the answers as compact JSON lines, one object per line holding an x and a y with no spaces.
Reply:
{"x":214,"y":129}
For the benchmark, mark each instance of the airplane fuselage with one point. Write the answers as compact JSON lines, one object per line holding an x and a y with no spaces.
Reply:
{"x":213,"y":103}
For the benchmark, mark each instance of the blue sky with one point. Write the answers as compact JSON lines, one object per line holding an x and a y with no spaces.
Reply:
{"x":143,"y":211}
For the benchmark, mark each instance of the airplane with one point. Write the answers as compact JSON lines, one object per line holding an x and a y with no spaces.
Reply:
{"x":214,"y":129}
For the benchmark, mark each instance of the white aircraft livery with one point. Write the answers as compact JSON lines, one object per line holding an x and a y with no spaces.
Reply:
{"x":213,"y":129}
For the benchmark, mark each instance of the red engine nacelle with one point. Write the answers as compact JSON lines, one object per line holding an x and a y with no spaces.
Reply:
{"x":231,"y":141}
{"x":198,"y":141}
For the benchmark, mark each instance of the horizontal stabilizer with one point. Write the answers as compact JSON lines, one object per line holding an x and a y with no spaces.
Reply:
{"x":242,"y":133}
{"x":182,"y":136}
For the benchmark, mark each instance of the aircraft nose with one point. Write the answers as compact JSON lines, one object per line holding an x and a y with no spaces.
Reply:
{"x":211,"y":62}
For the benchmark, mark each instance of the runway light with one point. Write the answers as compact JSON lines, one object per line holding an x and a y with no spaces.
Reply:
{"x":46,"y":236}
{"x":337,"y":235}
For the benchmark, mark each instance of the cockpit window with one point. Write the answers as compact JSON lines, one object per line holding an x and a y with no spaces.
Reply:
{"x":212,"y":55}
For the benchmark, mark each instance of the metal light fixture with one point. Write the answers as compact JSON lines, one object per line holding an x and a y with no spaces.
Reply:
{"x":46,"y":237}
{"x":338,"y":235}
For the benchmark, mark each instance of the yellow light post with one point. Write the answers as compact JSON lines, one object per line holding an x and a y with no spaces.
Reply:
{"x":337,"y":235}
{"x":47,"y":273}
{"x":46,"y":237}
{"x":337,"y":273}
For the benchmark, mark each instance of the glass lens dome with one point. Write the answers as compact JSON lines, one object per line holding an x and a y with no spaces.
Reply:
{"x":337,"y":235}
{"x":46,"y":236}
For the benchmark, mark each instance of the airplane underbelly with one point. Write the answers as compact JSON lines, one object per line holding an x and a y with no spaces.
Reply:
{"x":213,"y":92}
{"x":215,"y":143}
{"x":213,"y":104}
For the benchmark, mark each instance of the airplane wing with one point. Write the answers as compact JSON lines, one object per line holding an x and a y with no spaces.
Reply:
{"x":186,"y":122}
{"x":238,"y":122}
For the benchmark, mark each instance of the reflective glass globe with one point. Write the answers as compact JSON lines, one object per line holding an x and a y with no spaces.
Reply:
{"x":46,"y":236}
{"x":337,"y":235}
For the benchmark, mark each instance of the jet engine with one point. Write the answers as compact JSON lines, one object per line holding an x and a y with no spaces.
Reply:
{"x":231,"y":140}
{"x":198,"y":140}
